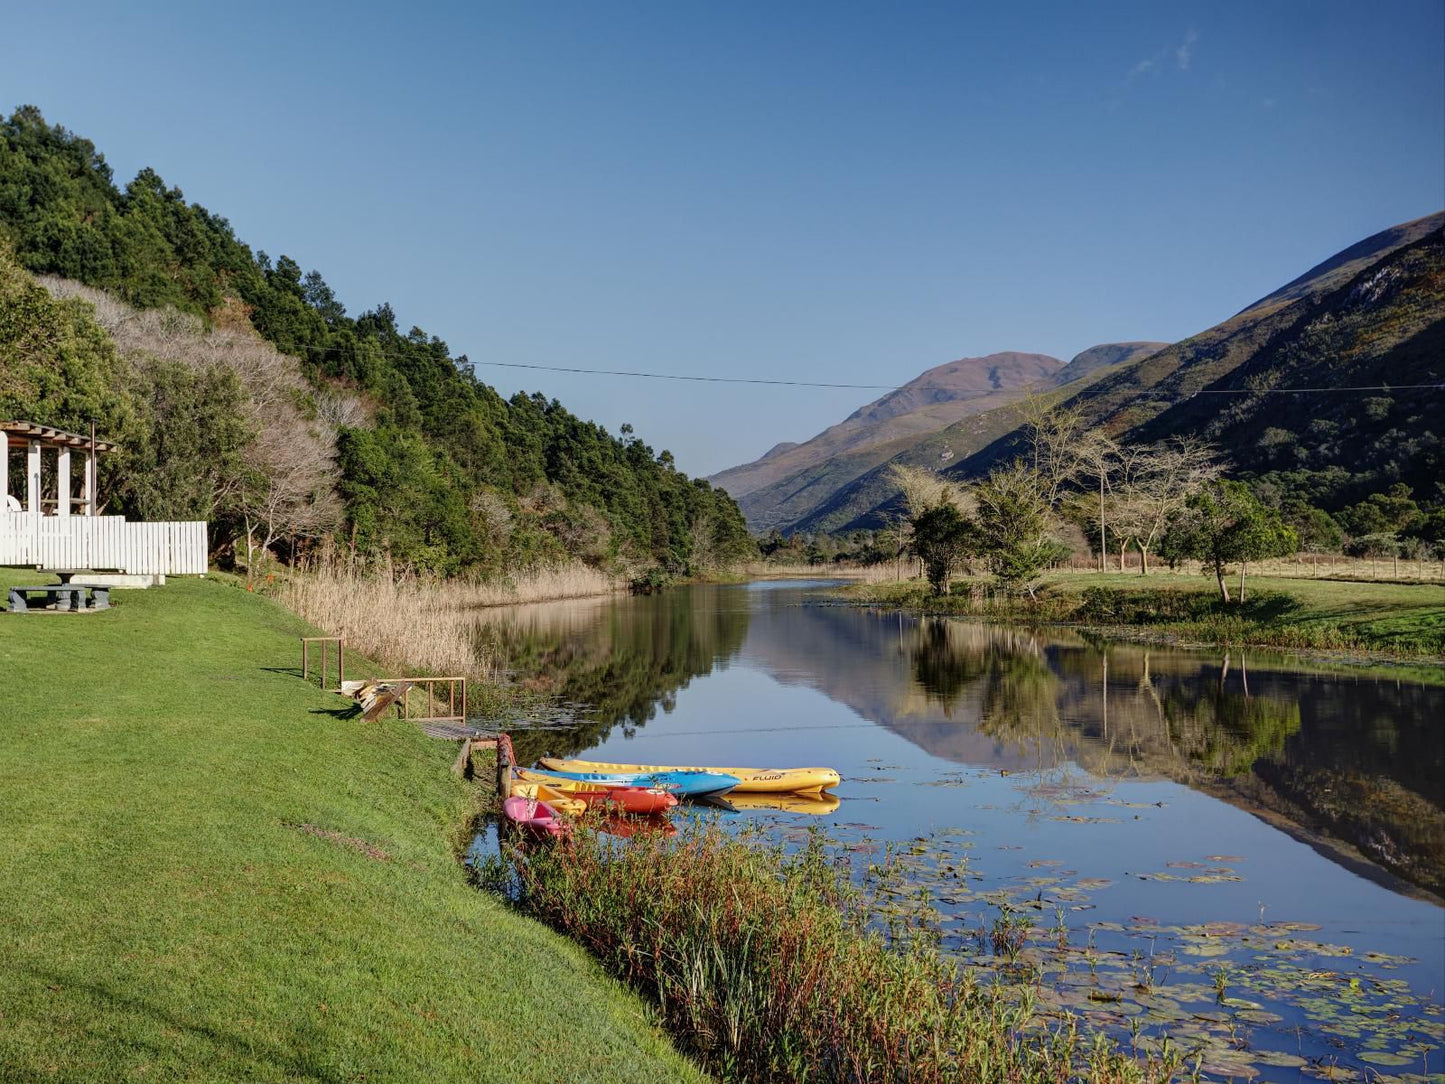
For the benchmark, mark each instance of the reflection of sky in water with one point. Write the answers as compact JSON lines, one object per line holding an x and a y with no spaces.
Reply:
{"x":859,"y":691}
{"x":744,"y":715}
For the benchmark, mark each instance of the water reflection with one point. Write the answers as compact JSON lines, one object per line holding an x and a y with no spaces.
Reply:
{"x":1322,"y":754}
{"x":616,"y":661}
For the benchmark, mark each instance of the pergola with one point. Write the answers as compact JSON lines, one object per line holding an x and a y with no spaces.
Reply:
{"x":38,"y":441}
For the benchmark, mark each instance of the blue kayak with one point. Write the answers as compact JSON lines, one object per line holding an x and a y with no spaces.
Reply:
{"x":683,"y":784}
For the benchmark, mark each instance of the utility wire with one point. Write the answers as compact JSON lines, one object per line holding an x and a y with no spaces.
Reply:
{"x":863,"y":387}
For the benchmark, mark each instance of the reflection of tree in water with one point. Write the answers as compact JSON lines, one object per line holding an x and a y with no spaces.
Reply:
{"x":619,"y":667}
{"x":1017,"y":693}
{"x":1226,"y":732}
{"x":1358,"y":760}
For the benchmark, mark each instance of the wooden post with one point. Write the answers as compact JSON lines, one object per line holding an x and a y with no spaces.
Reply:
{"x":62,"y":482}
{"x":504,"y":768}
{"x":305,"y":669}
{"x":4,"y":470}
{"x":32,"y":478}
{"x":90,"y":501}
{"x":340,"y":663}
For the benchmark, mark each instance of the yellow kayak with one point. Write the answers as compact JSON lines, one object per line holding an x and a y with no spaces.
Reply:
{"x":539,"y":792}
{"x":754,"y":780}
{"x":819,"y":803}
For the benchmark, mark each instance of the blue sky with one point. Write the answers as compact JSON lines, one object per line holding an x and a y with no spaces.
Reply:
{"x":813,"y":191}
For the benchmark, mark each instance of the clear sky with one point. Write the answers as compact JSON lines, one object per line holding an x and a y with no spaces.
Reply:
{"x":820,"y":191}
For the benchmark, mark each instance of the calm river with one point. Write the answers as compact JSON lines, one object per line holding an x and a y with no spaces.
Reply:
{"x":1240,"y":851}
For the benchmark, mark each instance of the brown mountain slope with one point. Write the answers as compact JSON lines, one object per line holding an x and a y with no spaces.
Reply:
{"x":926,"y":403}
{"x":1373,"y":315}
{"x":847,"y":480}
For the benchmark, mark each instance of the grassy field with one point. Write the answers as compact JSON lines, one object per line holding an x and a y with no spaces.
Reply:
{"x":1404,"y":620}
{"x":208,"y":874}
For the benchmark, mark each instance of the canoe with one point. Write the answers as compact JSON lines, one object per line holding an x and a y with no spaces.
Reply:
{"x":819,"y":803}
{"x":751,"y":780}
{"x":681,"y":784}
{"x":534,"y":816}
{"x":567,"y":804}
{"x":572,"y":798}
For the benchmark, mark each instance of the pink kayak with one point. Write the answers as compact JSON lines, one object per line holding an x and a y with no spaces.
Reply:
{"x":534,"y":816}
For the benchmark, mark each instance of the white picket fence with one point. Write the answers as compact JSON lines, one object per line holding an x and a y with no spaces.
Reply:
{"x":102,"y":544}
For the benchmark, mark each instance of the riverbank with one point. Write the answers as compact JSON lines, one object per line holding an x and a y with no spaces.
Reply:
{"x":1380,"y":620}
{"x":209,"y":873}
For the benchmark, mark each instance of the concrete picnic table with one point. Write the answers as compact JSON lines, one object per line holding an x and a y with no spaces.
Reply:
{"x":68,"y":597}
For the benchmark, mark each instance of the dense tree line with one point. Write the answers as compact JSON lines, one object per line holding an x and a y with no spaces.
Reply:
{"x":435,"y":468}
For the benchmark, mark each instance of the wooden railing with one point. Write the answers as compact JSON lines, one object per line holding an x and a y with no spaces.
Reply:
{"x":102,"y":543}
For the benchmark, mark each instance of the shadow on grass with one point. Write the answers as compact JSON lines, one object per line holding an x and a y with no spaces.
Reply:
{"x":351,"y":711}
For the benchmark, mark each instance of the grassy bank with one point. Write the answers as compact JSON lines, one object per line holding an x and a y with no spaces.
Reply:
{"x":1402,"y":620}
{"x":764,"y":967}
{"x":209,"y":875}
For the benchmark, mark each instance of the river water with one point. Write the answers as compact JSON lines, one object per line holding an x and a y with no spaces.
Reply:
{"x":1237,"y":850}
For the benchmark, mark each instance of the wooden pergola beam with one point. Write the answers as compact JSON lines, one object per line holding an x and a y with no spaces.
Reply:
{"x":20,"y":434}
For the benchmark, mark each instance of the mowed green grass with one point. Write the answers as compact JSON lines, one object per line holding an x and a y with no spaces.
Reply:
{"x":1404,"y":619}
{"x":162,"y":917}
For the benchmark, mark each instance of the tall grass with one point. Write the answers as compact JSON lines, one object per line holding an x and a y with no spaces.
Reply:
{"x":407,"y":622}
{"x":763,"y":965}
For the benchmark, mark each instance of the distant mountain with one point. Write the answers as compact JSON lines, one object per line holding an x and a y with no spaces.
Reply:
{"x":926,"y":403}
{"x":945,"y":412}
{"x":1369,"y":317}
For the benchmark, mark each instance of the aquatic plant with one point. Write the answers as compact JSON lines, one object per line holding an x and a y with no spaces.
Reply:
{"x":763,"y":963}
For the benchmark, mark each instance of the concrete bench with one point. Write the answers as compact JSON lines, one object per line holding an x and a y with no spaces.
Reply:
{"x":66,"y":597}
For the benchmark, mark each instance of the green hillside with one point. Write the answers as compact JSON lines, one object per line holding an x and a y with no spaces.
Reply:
{"x":438,"y":472}
{"x":1354,"y":322}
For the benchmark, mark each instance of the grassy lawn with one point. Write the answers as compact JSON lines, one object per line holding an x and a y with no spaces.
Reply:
{"x":207,"y":874}
{"x":1406,"y":620}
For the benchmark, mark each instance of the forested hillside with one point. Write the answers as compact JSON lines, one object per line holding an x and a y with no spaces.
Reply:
{"x":429,"y":465}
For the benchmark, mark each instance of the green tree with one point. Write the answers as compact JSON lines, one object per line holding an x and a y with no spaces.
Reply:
{"x":1225,"y":524}
{"x":1014,"y":526}
{"x":943,"y":538}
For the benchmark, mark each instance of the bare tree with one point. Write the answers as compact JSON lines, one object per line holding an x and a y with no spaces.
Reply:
{"x":924,"y":489}
{"x":1099,"y":458}
{"x":288,"y":487}
{"x":1058,"y":440}
{"x":1153,"y":484}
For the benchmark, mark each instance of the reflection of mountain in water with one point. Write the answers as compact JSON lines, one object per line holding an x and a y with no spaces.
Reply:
{"x":619,"y":659}
{"x":1357,"y":758}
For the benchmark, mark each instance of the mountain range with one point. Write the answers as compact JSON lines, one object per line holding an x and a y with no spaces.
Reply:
{"x":1371,"y":315}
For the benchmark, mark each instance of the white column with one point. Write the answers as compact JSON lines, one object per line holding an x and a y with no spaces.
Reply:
{"x":4,"y":470}
{"x":62,"y":482}
{"x":90,"y":483}
{"x":32,"y":478}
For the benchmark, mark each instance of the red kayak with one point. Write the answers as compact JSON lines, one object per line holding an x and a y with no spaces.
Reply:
{"x":642,"y":801}
{"x":534,"y":816}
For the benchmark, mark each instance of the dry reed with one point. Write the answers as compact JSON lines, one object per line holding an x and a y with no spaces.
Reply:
{"x":408,"y":623}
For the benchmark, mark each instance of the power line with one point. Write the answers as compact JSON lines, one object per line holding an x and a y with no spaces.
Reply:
{"x":704,"y":379}
{"x":707,"y":379}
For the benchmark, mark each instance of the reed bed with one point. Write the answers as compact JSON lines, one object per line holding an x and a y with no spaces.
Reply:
{"x":406,"y":622}
{"x":540,"y":585}
{"x":763,"y":966}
